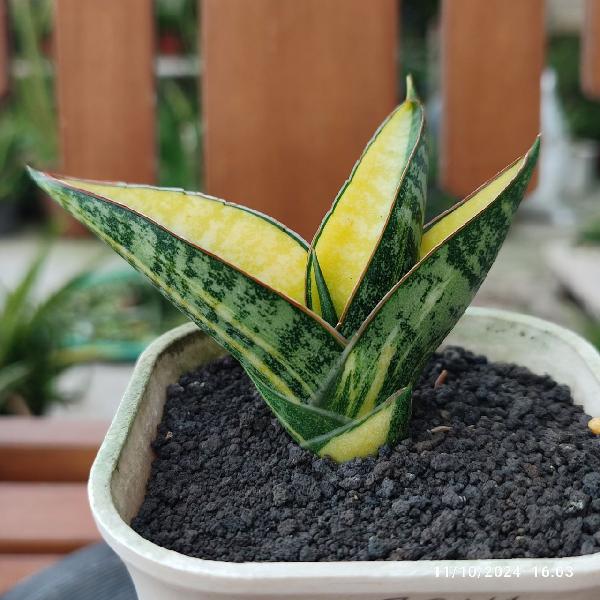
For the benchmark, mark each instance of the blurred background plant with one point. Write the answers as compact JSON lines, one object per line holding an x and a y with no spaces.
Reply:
{"x":176,"y":22}
{"x":31,"y":356}
{"x":580,"y":112}
{"x":179,"y":134}
{"x":590,"y":232}
{"x":93,"y":316}
{"x":13,"y":181}
{"x":32,"y":96}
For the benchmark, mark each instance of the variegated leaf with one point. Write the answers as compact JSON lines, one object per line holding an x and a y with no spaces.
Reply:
{"x":371,"y":235}
{"x":326,"y":307}
{"x":408,"y":325}
{"x":302,"y":421}
{"x":251,"y":241}
{"x":384,"y":425}
{"x":280,"y":342}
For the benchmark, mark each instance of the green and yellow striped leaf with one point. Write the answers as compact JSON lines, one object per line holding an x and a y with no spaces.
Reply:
{"x":322,"y":297}
{"x":281,"y":343}
{"x":371,"y":236}
{"x":302,"y":421}
{"x":254,"y":243}
{"x":384,"y":425}
{"x":408,"y":325}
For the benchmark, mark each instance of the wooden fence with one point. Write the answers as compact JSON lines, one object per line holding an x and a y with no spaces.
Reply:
{"x":291,"y":91}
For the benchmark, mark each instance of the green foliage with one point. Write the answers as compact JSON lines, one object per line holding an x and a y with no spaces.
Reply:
{"x":28,"y":131}
{"x":590,"y":232}
{"x":333,"y":334}
{"x":30,"y":357}
{"x":581,"y":113}
{"x":14,"y":178}
{"x":32,"y":96}
{"x":178,"y":17}
{"x":91,"y":317}
{"x":592,"y":332}
{"x":114,"y":315}
{"x":179,"y":134}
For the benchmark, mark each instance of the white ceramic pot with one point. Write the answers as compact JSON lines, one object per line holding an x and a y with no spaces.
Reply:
{"x":121,"y":470}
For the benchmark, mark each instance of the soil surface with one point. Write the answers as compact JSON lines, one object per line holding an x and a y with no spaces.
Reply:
{"x":500,"y":464}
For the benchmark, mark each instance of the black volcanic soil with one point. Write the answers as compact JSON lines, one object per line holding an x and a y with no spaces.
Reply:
{"x":512,"y":472}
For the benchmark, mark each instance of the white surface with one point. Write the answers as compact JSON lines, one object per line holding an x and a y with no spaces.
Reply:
{"x":97,"y":389}
{"x":161,"y":574}
{"x":578,"y":270}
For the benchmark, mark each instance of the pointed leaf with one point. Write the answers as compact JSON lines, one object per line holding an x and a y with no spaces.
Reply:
{"x":282,"y":343}
{"x":302,"y":421}
{"x":408,"y":325}
{"x":371,"y":235}
{"x":385,"y":425}
{"x":323,"y":297}
{"x":249,"y":240}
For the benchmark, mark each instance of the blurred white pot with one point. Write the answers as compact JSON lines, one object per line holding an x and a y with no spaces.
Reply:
{"x":121,"y":470}
{"x":582,"y":168}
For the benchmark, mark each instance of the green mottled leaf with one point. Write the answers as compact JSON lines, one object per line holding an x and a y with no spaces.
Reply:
{"x":282,"y":344}
{"x":371,"y":235}
{"x":408,"y":325}
{"x":327,"y":309}
{"x":398,"y":249}
{"x":384,"y":425}
{"x":302,"y":421}
{"x":254,"y":243}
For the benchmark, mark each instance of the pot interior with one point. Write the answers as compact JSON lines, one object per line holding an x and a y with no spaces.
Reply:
{"x":129,"y":479}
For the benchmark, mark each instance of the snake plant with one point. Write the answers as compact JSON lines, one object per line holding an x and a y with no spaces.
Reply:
{"x":334,"y":333}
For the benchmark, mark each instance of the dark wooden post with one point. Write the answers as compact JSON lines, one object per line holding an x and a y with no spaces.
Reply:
{"x":492,"y":59}
{"x":590,"y":55}
{"x":292,"y":91}
{"x":105,"y":82}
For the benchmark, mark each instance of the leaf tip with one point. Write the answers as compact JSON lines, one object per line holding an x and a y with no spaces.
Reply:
{"x":36,"y":175}
{"x":535,"y":148}
{"x":531,"y":157}
{"x":411,"y":92}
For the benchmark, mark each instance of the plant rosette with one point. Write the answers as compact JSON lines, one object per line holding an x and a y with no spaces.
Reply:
{"x":335,"y":334}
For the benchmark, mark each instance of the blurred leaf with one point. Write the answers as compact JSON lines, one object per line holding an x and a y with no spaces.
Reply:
{"x":580,"y":112}
{"x":179,"y":135}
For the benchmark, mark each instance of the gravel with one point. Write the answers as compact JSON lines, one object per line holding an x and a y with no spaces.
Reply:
{"x":516,"y":474}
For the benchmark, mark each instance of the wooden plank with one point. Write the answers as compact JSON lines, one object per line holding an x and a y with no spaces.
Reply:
{"x":292,"y":91}
{"x":105,"y":85}
{"x":16,"y":567}
{"x":42,"y":518}
{"x":4,"y":61}
{"x":590,"y":50}
{"x":492,"y":59}
{"x":48,"y":449}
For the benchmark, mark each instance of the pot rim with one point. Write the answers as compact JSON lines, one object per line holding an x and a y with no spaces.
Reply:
{"x":221,"y":575}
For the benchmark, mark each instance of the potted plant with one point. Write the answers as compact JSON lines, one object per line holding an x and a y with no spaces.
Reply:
{"x":334,"y":337}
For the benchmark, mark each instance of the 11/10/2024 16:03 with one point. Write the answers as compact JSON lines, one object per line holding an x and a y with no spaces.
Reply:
{"x":487,"y":572}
